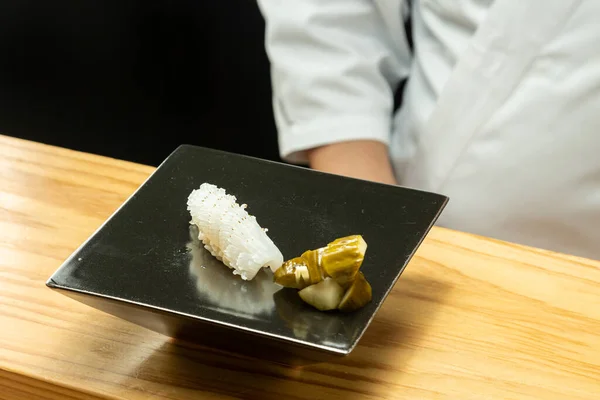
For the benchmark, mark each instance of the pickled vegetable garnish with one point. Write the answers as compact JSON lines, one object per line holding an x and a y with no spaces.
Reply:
{"x":325,"y":295}
{"x":342,"y":258}
{"x":327,"y":272}
{"x":298,"y":273}
{"x":357,"y":295}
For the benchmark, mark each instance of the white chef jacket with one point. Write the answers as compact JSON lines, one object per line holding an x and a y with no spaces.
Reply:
{"x":501,"y":111}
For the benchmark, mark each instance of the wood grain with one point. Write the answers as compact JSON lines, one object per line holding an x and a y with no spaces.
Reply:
{"x":471,"y":318}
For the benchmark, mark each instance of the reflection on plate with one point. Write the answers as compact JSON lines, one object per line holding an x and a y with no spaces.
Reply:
{"x":216,"y":282}
{"x":306,"y":322}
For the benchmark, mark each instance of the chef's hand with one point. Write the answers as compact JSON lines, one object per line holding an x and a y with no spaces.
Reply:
{"x":363,"y":159}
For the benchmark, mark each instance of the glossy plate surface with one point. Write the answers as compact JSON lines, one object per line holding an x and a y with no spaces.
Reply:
{"x":146,"y":255}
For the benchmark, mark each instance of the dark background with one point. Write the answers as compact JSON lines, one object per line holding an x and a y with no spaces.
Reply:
{"x":135,"y":79}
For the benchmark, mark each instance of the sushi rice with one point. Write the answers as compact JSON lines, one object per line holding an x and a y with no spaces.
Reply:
{"x":230,"y":234}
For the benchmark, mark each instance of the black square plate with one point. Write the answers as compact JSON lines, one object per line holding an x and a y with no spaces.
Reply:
{"x":143,"y":264}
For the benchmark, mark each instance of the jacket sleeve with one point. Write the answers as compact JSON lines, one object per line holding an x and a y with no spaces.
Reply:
{"x":334,"y":68}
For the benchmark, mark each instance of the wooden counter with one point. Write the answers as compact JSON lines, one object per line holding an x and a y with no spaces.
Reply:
{"x":471,"y":318}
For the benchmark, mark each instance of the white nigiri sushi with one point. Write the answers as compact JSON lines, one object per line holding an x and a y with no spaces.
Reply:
{"x":213,"y":282}
{"x":230,"y":234}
